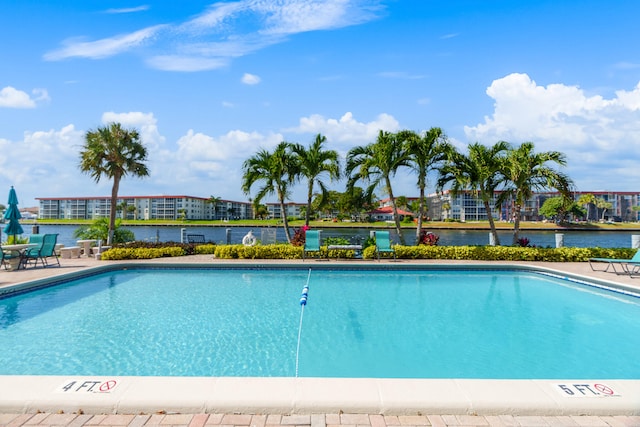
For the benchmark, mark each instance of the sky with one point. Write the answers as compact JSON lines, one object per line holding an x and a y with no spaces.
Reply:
{"x":208,"y":84}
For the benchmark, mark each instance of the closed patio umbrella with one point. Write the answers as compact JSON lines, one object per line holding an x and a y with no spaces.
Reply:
{"x":12,"y":214}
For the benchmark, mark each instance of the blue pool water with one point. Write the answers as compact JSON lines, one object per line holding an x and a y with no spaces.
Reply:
{"x":357,"y":323}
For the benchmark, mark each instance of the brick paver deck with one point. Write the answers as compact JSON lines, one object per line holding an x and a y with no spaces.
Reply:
{"x":314,"y":420}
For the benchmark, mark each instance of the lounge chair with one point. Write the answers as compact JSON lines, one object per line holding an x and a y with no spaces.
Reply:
{"x":6,"y":257}
{"x":195,"y":238}
{"x":627,"y":266}
{"x":383,"y":244}
{"x":311,"y":243}
{"x":46,"y":250}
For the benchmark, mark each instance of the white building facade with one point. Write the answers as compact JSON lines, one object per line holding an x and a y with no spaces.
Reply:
{"x":156,"y":207}
{"x":465,"y":206}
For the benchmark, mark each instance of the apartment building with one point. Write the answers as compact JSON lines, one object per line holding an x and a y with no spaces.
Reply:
{"x":137,"y":207}
{"x":155,"y":207}
{"x":465,"y":206}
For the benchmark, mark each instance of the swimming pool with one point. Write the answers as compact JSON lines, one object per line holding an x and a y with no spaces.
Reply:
{"x":380,"y":322}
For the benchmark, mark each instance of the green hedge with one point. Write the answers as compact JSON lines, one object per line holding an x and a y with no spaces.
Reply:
{"x":286,"y":251}
{"x":142,"y":253}
{"x":276,"y":251}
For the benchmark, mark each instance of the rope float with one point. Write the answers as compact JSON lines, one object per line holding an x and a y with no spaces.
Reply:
{"x":305,"y":291}
{"x":303,"y":302}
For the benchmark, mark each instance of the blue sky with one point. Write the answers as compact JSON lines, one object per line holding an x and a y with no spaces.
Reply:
{"x":209,"y":83}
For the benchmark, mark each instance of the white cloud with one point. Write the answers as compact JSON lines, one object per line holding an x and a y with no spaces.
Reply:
{"x":186,"y":64}
{"x":196,"y":163}
{"x":250,"y":79}
{"x":346,"y":128}
{"x":11,"y":97}
{"x":141,"y":8}
{"x":51,"y":168}
{"x":224,"y":31}
{"x":595,"y":133}
{"x":105,"y":47}
{"x":146,"y":124}
{"x":626,"y":65}
{"x":295,"y":16}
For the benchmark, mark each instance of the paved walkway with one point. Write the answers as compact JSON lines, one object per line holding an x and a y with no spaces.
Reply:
{"x":316,"y":420}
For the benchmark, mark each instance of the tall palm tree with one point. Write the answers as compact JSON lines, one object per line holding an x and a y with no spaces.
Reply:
{"x":113,"y":152}
{"x":376,"y":164}
{"x":426,"y":153}
{"x":314,"y":163}
{"x":278,"y":170}
{"x":525,"y":171}
{"x":479,"y":171}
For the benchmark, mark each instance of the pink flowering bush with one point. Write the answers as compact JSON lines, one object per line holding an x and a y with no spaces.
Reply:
{"x":300,"y":236}
{"x":428,"y":238}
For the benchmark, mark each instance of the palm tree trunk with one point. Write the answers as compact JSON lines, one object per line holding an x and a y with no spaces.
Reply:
{"x":112,"y":213}
{"x":307,"y":215}
{"x":284,"y":219}
{"x":492,"y":223}
{"x":396,"y":217}
{"x":516,"y":224}
{"x":420,"y":214}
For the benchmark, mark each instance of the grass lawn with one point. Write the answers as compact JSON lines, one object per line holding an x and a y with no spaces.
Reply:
{"x":479,"y":225}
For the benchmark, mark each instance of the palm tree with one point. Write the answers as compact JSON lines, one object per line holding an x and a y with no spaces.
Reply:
{"x":375,"y":164}
{"x":479,"y":171}
{"x":121,"y":207}
{"x":113,"y":152}
{"x":278,"y":170}
{"x":601,"y":203}
{"x":214,"y":202}
{"x":587,"y":200}
{"x":524,"y":172}
{"x":426,"y":152}
{"x":314,"y":163}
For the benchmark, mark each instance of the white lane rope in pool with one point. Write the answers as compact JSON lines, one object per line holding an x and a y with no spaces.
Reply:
{"x":303,"y":303}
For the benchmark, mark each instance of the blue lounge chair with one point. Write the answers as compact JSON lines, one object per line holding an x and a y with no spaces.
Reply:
{"x":627,"y":266}
{"x":383,"y":244}
{"x":311,"y":243}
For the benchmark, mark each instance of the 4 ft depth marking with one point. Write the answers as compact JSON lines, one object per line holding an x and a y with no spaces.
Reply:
{"x":89,"y":386}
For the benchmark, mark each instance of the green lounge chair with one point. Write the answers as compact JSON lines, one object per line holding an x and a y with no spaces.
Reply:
{"x":383,"y":244}
{"x":311,"y":243}
{"x":627,"y":266}
{"x":46,"y":250}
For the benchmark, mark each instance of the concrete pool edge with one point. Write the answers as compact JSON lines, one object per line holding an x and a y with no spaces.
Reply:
{"x":57,"y":277}
{"x":129,"y":395}
{"x":27,"y":394}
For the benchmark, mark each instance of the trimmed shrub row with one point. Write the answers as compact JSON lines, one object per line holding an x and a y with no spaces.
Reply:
{"x":286,"y":251}
{"x":156,"y":250}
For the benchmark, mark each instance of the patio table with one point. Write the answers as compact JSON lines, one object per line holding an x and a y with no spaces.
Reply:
{"x":14,"y":263}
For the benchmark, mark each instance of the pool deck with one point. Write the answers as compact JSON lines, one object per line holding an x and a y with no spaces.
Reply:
{"x":316,"y":402}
